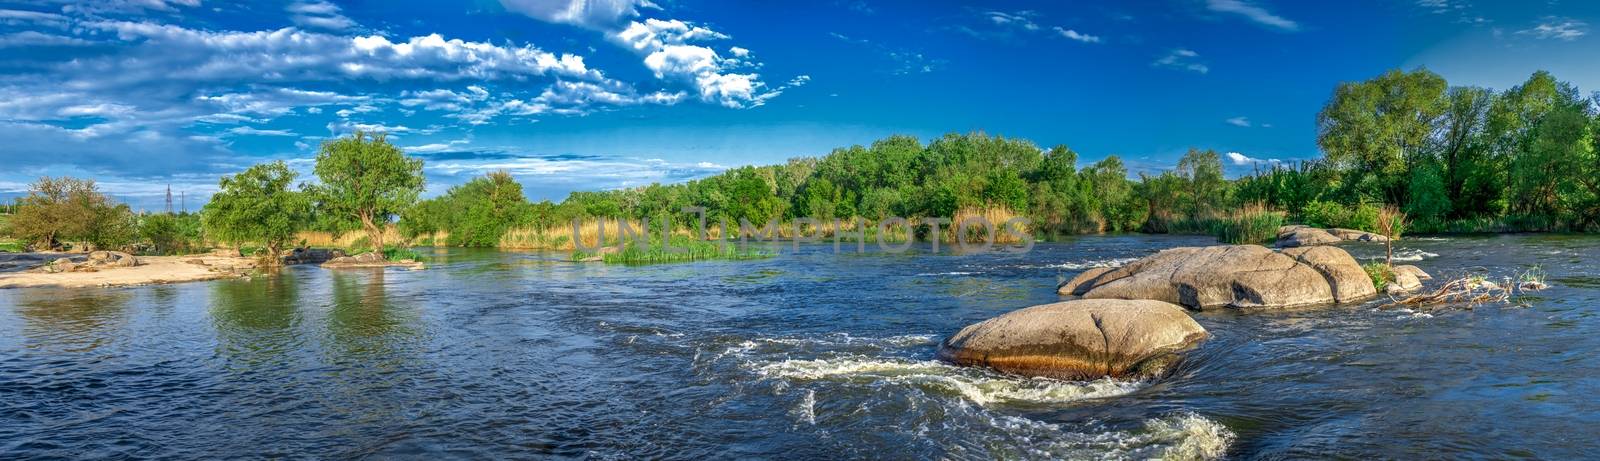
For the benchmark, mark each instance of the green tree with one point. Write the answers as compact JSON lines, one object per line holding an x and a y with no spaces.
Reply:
{"x":68,"y":209}
{"x":366,"y":181}
{"x":257,"y":206}
{"x":1377,"y":126}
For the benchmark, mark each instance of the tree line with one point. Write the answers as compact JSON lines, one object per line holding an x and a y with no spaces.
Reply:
{"x":1456,"y":158}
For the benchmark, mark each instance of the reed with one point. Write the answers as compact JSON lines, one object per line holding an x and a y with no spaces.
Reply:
{"x":684,"y":249}
{"x":1251,"y":224}
{"x":348,"y":240}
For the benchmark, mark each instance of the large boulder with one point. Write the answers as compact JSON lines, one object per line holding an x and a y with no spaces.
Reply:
{"x":1414,"y":271}
{"x":1082,"y":281}
{"x":1078,"y":340}
{"x":1345,"y":277}
{"x":312,"y":255}
{"x":1302,"y":236}
{"x":1235,"y":276}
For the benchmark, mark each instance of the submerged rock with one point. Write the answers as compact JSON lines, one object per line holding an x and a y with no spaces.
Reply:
{"x":1078,"y":340}
{"x":1235,"y":276}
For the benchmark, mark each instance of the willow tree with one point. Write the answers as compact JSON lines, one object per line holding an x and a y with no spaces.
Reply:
{"x":62,"y":209}
{"x":257,"y":206}
{"x":365,"y":181}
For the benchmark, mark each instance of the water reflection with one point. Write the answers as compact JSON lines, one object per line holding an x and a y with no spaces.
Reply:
{"x":69,"y":320}
{"x":256,"y":320}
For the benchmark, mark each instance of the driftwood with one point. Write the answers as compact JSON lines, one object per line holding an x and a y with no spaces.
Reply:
{"x":1467,"y":292}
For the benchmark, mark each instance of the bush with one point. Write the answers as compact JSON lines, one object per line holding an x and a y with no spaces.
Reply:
{"x":1253,"y":224}
{"x":1380,"y":273}
{"x":1326,"y":215}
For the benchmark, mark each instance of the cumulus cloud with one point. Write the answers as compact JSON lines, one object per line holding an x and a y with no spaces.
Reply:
{"x":1558,"y":29}
{"x":1182,"y":59}
{"x":670,"y":48}
{"x":1252,"y":12}
{"x":1244,"y":160}
{"x":592,"y":14}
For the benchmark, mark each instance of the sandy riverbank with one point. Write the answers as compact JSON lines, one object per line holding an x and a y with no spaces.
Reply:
{"x":151,"y":270}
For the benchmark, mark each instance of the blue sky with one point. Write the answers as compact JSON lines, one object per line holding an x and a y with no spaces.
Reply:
{"x":600,"y":94}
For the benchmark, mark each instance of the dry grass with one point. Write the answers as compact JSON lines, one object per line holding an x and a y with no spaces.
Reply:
{"x":319,"y":239}
{"x":996,"y":216}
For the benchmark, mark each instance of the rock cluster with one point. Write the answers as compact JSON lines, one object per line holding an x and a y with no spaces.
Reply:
{"x":1299,"y":236}
{"x":95,"y":261}
{"x":1233,"y":276}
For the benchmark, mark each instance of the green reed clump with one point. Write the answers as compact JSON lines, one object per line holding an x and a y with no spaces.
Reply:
{"x":684,"y":249}
{"x":1252,"y":224}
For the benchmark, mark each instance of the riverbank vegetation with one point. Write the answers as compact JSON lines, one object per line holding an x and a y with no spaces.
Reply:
{"x":1451,"y":159}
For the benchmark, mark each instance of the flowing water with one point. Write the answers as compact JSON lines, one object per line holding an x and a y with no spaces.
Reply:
{"x":802,"y":356}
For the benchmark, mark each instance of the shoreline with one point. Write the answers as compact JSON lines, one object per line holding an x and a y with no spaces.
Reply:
{"x":151,"y":270}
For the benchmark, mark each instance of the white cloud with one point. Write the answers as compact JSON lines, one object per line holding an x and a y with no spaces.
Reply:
{"x":319,"y":14}
{"x":1254,"y":13}
{"x":1558,"y":28}
{"x":289,"y":54}
{"x":1075,"y":35}
{"x":1241,"y":159}
{"x":29,"y":38}
{"x":1238,"y":121}
{"x":1020,"y":19}
{"x":437,"y":147}
{"x":249,"y":131}
{"x":592,"y":14}
{"x":1182,"y":59}
{"x":666,"y":46}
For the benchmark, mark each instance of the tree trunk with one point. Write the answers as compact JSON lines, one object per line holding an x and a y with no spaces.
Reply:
{"x":374,"y":233}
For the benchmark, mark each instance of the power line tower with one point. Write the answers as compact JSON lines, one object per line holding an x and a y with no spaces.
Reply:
{"x":184,"y":196}
{"x":169,"y":199}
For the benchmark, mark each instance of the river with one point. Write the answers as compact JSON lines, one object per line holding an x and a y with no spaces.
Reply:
{"x":806,"y":355}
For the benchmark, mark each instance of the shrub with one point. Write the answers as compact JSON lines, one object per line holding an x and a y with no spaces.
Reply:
{"x":1380,"y":273}
{"x":1322,"y":214}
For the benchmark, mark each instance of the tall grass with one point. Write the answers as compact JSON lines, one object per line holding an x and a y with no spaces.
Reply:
{"x":684,"y":249}
{"x":1251,"y":224}
{"x":349,"y":240}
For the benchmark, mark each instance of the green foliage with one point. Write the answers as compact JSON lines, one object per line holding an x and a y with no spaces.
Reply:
{"x":172,"y":233}
{"x":58,"y":210}
{"x":257,"y":206}
{"x":398,"y":253}
{"x":365,"y":181}
{"x":1380,"y":273}
{"x":475,"y":214}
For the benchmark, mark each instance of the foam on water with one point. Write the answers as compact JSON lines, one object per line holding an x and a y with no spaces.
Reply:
{"x":976,"y":385}
{"x":1081,"y":265}
{"x":1179,"y":436}
{"x":1408,"y":254}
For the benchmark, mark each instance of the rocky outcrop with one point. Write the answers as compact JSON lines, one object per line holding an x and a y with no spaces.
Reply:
{"x":1082,"y":281}
{"x":1297,"y":235}
{"x":1078,"y":340}
{"x":1348,"y":282}
{"x":112,"y":259}
{"x":92,"y":262}
{"x":1301,"y":236}
{"x":369,"y":260}
{"x":1358,"y":236}
{"x":312,"y":256}
{"x":1243,"y":276}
